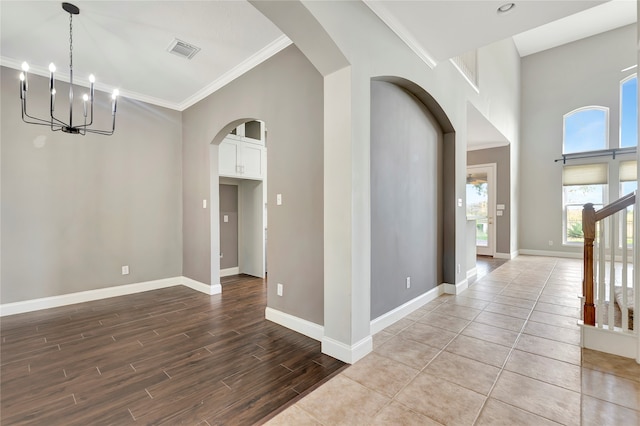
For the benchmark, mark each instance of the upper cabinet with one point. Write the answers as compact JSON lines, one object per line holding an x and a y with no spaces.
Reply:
{"x":242,"y":154}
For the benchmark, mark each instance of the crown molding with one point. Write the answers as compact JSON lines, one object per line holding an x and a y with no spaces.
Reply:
{"x":405,"y":35}
{"x":267,"y":52}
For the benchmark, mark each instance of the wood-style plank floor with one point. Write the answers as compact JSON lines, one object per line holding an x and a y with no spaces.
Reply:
{"x":170,"y":356}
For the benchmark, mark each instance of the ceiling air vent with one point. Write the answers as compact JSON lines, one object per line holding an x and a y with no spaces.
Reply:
{"x":183,"y":49}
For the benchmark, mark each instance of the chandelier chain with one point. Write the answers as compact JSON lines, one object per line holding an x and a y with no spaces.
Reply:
{"x":70,"y":41}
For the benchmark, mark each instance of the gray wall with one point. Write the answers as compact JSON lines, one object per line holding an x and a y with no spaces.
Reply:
{"x":229,"y":229}
{"x":502,"y":157}
{"x":77,"y":208}
{"x":406,"y":204}
{"x":555,"y":82}
{"x":286,"y":92}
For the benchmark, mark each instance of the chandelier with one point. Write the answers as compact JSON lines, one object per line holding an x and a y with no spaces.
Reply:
{"x":55,"y":123}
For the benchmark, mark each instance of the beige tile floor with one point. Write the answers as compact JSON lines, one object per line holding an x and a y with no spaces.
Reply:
{"x":504,"y":352}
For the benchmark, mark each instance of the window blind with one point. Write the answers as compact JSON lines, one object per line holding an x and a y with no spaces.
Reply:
{"x":628,"y":171}
{"x":585,"y":174}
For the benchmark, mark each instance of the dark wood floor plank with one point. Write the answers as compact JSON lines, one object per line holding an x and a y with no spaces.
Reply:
{"x":169,"y":356}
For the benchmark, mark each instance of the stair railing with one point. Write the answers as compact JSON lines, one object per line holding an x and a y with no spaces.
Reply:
{"x":599,"y":282}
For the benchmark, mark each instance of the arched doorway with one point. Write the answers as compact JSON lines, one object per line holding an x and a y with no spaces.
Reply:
{"x":238,"y":200}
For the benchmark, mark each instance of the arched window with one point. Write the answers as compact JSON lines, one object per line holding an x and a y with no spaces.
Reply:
{"x":585,"y":129}
{"x":629,"y":111}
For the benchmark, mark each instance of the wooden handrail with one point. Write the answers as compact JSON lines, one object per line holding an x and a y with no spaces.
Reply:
{"x":616,"y":206}
{"x":589,"y":219}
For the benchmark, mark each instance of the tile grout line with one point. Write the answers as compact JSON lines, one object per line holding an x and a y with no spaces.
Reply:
{"x":459,"y":333}
{"x":515,"y":343}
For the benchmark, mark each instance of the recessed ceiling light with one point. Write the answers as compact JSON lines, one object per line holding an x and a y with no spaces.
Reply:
{"x":507,"y":7}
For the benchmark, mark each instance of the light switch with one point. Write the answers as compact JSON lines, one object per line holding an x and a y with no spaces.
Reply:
{"x":499,"y":212}
{"x":278,"y":199}
{"x":500,"y":206}
{"x":225,"y":218}
{"x":204,"y":204}
{"x":459,"y":202}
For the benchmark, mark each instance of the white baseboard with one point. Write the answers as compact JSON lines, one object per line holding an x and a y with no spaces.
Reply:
{"x":385,"y":320}
{"x":201,"y":287}
{"x":345,"y":353}
{"x":229,"y":271}
{"x":507,"y":256}
{"x":472,"y":272}
{"x":85,"y":296}
{"x":308,"y":328}
{"x":612,"y":342}
{"x":104,"y":293}
{"x":550,"y":253}
{"x":456,"y":288}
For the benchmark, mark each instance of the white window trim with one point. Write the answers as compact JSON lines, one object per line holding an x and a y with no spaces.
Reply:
{"x":622,"y":82}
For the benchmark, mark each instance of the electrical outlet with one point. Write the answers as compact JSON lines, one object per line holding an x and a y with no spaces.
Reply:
{"x":278,"y":199}
{"x":458,"y":268}
{"x":125,"y":270}
{"x":550,"y":242}
{"x":279,"y":289}
{"x":408,"y":282}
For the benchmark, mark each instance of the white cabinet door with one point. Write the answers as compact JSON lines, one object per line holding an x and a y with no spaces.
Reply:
{"x":241,"y":159}
{"x":251,"y":164}
{"x":228,"y":158}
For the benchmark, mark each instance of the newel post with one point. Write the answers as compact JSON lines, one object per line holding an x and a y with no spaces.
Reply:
{"x":589,"y":232}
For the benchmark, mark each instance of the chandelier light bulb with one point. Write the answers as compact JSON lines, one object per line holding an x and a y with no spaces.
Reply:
{"x":53,"y":91}
{"x":25,"y":67}
{"x":92,"y":78}
{"x":115,"y":94}
{"x":52,"y":67}
{"x":85,"y":97}
{"x":21,"y":76}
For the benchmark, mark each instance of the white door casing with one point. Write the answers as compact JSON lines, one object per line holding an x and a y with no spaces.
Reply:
{"x":483,"y":177}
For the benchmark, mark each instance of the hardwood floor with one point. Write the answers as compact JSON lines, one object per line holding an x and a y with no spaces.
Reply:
{"x":170,"y":356}
{"x":485,"y":265}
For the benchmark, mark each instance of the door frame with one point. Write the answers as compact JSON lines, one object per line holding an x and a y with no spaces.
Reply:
{"x":491,"y":169}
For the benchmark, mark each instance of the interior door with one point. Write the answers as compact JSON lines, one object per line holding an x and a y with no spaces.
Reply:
{"x":481,"y":206}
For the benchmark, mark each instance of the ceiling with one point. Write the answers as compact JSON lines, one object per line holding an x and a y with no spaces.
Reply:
{"x":124,"y":42}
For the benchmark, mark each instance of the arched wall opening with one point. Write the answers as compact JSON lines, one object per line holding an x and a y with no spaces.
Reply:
{"x":241,"y":196}
{"x":412,"y":194}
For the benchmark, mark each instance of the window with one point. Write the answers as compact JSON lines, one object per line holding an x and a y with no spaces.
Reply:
{"x":629,"y":111}
{"x":585,"y":129}
{"x":628,"y":177}
{"x":628,"y":183}
{"x":580,"y":185}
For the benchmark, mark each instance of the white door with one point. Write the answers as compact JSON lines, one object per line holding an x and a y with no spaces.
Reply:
{"x":481,"y":206}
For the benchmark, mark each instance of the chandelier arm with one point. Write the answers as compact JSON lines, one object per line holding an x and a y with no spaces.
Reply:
{"x":104,"y":132}
{"x":25,"y":114}
{"x":37,"y":120}
{"x":58,"y":121}
{"x":91,"y":116}
{"x":100,"y":132}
